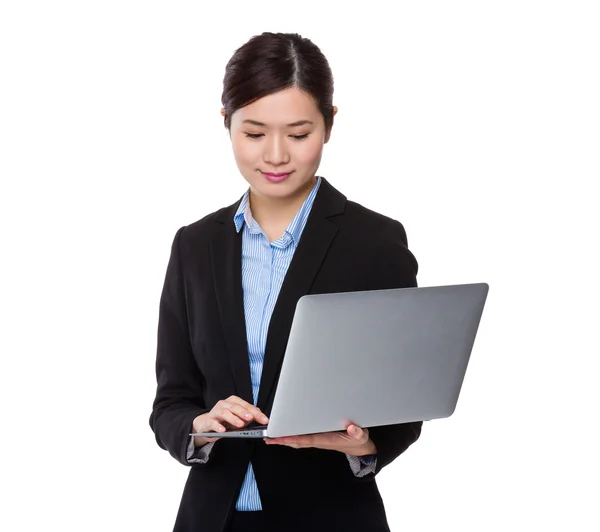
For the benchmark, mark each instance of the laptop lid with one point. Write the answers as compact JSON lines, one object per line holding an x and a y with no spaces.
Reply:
{"x":376,"y":357}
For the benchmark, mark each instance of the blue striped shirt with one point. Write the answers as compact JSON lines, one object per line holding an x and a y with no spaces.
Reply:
{"x":264,"y":265}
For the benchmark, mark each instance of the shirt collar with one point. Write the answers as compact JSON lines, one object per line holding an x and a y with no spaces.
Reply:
{"x":294,"y":230}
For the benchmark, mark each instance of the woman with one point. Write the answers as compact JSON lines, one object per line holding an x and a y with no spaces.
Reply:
{"x":231,"y":287}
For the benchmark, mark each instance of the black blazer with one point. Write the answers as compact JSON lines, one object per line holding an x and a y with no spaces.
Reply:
{"x":202,"y":357}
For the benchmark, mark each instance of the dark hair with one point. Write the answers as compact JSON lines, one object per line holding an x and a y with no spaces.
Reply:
{"x":272,"y":62}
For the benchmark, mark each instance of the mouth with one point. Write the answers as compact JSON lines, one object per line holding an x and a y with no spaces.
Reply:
{"x":276,"y":177}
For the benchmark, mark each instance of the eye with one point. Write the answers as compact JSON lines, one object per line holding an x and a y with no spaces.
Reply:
{"x":258,"y":135}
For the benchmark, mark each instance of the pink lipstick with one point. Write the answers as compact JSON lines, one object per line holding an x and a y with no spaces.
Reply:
{"x":276,"y":177}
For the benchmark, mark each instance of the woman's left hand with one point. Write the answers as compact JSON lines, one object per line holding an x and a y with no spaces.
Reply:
{"x":354,"y":441}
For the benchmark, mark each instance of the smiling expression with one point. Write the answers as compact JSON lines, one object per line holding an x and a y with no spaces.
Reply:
{"x":278,"y":143}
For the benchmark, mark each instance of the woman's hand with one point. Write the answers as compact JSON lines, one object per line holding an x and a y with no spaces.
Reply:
{"x":232,"y":412}
{"x":354,"y":441}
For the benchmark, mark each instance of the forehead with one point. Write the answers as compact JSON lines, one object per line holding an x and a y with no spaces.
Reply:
{"x":280,"y":108}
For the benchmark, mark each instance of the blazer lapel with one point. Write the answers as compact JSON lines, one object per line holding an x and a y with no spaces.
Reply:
{"x":226,"y":254}
{"x":317,"y":236}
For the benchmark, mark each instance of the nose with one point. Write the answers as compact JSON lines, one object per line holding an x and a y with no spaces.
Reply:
{"x":275,"y":153}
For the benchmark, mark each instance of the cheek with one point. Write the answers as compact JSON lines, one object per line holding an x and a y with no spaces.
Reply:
{"x":310,"y":153}
{"x":243,"y":153}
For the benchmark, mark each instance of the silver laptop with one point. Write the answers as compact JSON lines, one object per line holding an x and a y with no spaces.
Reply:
{"x":373,"y":358}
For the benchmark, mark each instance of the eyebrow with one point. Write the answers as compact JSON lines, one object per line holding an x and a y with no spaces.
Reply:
{"x":293,"y":124}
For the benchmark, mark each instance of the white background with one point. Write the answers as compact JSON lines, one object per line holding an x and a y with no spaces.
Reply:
{"x":476,"y":124}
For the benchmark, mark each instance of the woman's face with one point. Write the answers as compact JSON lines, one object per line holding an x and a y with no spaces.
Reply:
{"x":278,"y":142}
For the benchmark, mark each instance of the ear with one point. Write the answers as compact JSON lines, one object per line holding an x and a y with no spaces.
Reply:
{"x":328,"y":134}
{"x":224,"y":114}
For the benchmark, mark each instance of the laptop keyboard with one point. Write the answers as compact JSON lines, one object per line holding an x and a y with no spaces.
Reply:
{"x":255,"y":427}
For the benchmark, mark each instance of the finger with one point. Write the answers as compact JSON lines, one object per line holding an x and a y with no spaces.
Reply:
{"x":288,"y":444}
{"x":255,"y":412}
{"x":339,"y":440}
{"x":260,"y":416}
{"x":243,"y":412}
{"x":322,"y":441}
{"x":307,"y":440}
{"x":216,"y":426}
{"x":222,"y":407}
{"x":213,"y":425}
{"x":357,"y":433}
{"x":230,"y":417}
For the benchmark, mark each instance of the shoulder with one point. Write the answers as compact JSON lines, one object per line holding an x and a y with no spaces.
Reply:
{"x":365,"y":227}
{"x":379,"y":237}
{"x":190,"y":237}
{"x":372,"y":226}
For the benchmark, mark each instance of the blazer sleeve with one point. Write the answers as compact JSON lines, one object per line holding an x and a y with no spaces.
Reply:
{"x":394,"y":267}
{"x":179,"y":398}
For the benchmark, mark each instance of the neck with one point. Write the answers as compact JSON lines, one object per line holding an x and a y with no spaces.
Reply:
{"x":279,"y":211}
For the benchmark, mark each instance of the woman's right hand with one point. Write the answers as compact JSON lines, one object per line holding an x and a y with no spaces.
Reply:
{"x":232,"y":412}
